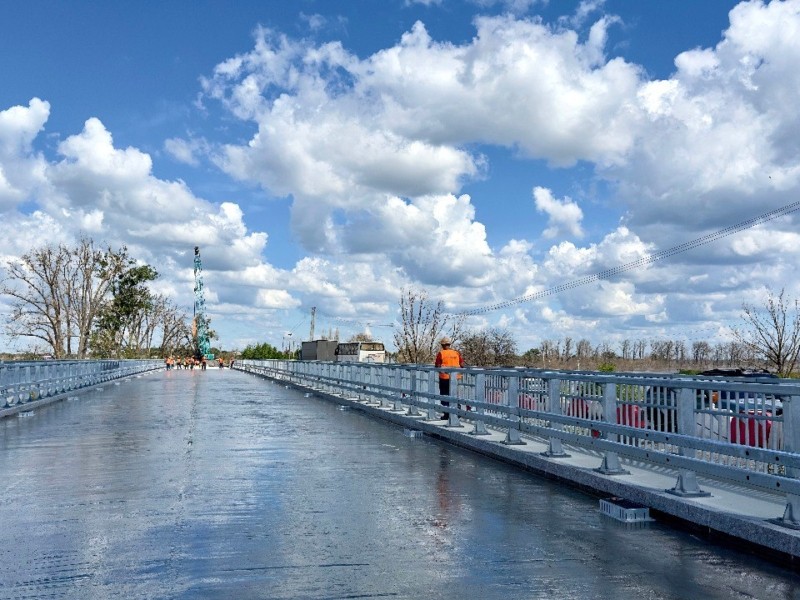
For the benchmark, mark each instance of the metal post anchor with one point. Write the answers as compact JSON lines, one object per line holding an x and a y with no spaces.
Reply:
{"x":611,"y":465}
{"x":687,"y":487}
{"x":555,"y":449}
{"x":480,"y":429}
{"x":513,"y":439}
{"x":453,"y":420}
{"x":790,"y":514}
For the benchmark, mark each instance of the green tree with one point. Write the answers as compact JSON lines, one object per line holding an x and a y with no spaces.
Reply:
{"x":120,"y":321}
{"x":263,"y":351}
{"x":532,"y":357}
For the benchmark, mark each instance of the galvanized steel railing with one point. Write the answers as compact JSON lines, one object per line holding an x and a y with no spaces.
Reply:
{"x":27,"y":382}
{"x":747,"y":431}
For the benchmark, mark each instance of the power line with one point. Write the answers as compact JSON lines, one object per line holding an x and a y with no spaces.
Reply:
{"x":640,"y":262}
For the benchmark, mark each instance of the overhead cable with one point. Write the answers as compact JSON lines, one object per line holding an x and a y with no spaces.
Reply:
{"x":640,"y":262}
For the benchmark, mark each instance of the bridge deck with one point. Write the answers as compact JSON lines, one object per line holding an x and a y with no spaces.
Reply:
{"x":215,"y":484}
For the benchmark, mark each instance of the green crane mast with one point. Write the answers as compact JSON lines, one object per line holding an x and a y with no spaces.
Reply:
{"x":200,"y":322}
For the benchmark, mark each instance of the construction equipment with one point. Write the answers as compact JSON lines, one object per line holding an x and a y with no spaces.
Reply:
{"x":200,"y":321}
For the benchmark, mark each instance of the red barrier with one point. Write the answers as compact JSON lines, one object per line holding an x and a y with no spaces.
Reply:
{"x":578,"y":407}
{"x":748,"y":431}
{"x":630,"y":415}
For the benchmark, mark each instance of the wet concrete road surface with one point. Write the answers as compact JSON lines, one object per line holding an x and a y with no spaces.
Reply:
{"x":217,"y":484}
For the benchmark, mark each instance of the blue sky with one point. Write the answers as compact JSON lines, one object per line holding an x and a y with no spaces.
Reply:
{"x":329,"y":153}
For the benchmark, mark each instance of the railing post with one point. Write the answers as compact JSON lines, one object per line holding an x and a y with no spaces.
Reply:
{"x":480,"y":399}
{"x":555,"y":449}
{"x":432,"y":389}
{"x":512,"y":401}
{"x":384,"y":375}
{"x":791,"y":443}
{"x":396,"y":376}
{"x":412,"y":405}
{"x":453,"y":420}
{"x":611,"y":464}
{"x":687,"y":485}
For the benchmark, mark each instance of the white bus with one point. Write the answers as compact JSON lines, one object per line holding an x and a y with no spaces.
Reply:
{"x":373,"y":352}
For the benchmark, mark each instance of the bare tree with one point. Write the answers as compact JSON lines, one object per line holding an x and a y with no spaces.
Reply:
{"x":679,"y":351}
{"x":360,"y":337}
{"x":174,"y":323}
{"x":136,"y":335}
{"x":548,"y":350}
{"x":58,"y":293}
{"x":625,"y":348}
{"x":39,"y":304}
{"x":476,"y":349}
{"x":422,"y":321}
{"x":700,"y":352}
{"x":583,"y":349}
{"x":567,"y":348}
{"x":88,"y":281}
{"x":489,"y":347}
{"x":772,"y":332}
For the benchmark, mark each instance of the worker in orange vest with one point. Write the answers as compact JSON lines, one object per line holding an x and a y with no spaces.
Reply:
{"x":447,"y":357}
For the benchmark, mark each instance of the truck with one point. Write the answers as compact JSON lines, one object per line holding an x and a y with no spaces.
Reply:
{"x":319,"y":350}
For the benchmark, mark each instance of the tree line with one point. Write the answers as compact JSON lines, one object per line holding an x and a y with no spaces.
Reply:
{"x":769,"y":336}
{"x":86,"y":301}
{"x":263,"y":351}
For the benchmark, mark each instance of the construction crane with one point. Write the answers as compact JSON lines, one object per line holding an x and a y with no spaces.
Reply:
{"x":200,"y":322}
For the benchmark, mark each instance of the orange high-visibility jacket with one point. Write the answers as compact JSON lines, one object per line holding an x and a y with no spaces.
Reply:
{"x":448,"y":358}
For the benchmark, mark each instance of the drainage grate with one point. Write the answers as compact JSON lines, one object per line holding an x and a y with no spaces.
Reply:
{"x":412,"y":433}
{"x":625,"y":511}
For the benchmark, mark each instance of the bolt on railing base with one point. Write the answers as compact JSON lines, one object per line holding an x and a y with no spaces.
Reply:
{"x":686,"y":486}
{"x":611,"y":465}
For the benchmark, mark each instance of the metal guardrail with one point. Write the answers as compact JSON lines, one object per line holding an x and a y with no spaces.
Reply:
{"x":739,"y":430}
{"x":27,"y":382}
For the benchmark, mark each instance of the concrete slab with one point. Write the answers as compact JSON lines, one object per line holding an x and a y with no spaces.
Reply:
{"x":743,"y":514}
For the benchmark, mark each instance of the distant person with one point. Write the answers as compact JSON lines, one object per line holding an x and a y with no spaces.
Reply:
{"x":203,"y":363}
{"x":221,"y":363}
{"x":447,"y":357}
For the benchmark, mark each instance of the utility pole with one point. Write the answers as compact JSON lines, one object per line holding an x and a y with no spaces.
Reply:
{"x":313,"y":316}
